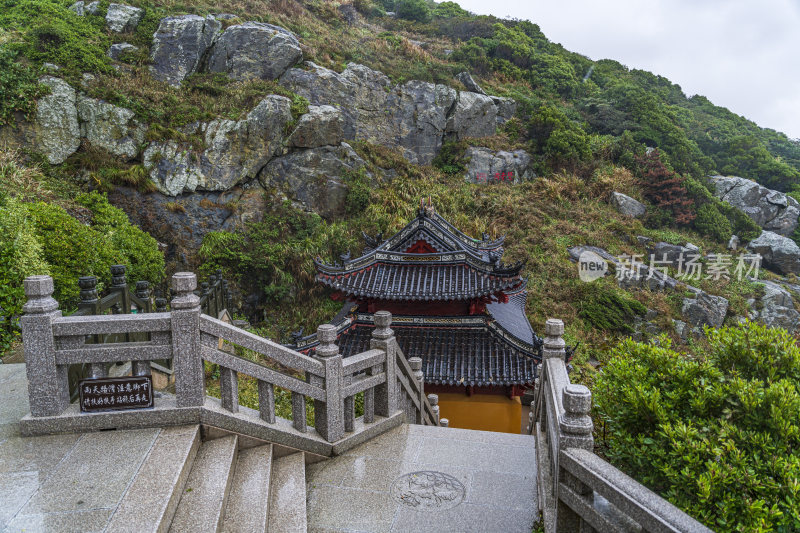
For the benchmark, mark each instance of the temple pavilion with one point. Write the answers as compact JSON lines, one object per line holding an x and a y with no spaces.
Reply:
{"x":455,"y":304}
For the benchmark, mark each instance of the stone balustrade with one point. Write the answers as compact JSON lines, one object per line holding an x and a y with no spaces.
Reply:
{"x":579,"y":491}
{"x":391,"y":386}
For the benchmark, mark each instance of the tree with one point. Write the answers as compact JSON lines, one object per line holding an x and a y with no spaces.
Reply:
{"x":417,"y":10}
{"x":449,"y":10}
{"x":664,"y":187}
{"x":716,"y":431}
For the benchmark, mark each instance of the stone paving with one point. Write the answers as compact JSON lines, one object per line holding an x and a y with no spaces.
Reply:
{"x":422,"y":478}
{"x":60,"y":483}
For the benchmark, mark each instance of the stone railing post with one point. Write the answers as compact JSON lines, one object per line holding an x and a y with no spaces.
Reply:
{"x":444,"y":423}
{"x":90,"y":301}
{"x":383,"y":339}
{"x":143,"y":293}
{"x":433,"y":399}
{"x":119,"y":284}
{"x":416,"y":367}
{"x":554,"y":345}
{"x":187,"y":364}
{"x":575,"y":431}
{"x":329,"y":415}
{"x":48,"y":386}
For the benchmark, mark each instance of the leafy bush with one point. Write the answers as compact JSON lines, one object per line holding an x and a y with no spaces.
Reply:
{"x":53,"y":33}
{"x":19,"y":87}
{"x":608,"y":309}
{"x":449,"y":10}
{"x":417,"y":10}
{"x":716,"y":432}
{"x":711,"y":222}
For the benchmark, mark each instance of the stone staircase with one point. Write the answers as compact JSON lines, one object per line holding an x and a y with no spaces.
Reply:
{"x":224,"y":482}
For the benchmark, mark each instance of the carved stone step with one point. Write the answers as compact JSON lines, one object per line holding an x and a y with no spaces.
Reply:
{"x":202,"y":505}
{"x":248,"y":502}
{"x":150,"y":502}
{"x":287,"y":505}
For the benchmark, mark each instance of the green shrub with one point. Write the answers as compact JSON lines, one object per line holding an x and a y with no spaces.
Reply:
{"x":417,"y":10}
{"x":716,"y":432}
{"x":711,"y":222}
{"x":358,"y":193}
{"x":19,"y":87}
{"x":449,"y":10}
{"x":609,"y":309}
{"x":53,"y":33}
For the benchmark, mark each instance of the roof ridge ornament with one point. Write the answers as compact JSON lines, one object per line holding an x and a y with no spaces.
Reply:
{"x":426,"y":210}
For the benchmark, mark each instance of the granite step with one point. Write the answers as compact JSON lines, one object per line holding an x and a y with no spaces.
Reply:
{"x":150,"y":502}
{"x":248,"y":502}
{"x":202,"y":505}
{"x":287,"y":502}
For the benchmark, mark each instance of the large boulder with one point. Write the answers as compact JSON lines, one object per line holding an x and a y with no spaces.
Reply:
{"x":485,"y":165}
{"x":122,"y":18}
{"x":179,"y":46}
{"x":321,"y":126}
{"x":705,"y":310}
{"x":674,"y":255}
{"x":780,"y":254}
{"x":775,"y":308}
{"x":412,"y":116}
{"x":110,"y":127}
{"x":54,"y":131}
{"x":627,"y":206}
{"x":772,"y":210}
{"x":471,"y":85}
{"x":420,"y":117}
{"x":235,"y":151}
{"x":254,"y":50}
{"x":314,"y":177}
{"x":475,"y":115}
{"x":506,"y":107}
{"x":171,"y":167}
{"x":322,"y":86}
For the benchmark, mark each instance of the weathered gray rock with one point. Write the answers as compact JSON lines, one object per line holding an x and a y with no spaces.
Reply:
{"x":674,"y":255}
{"x":733,"y":242}
{"x":506,"y":107}
{"x":322,"y":86}
{"x":705,"y":309}
{"x":776,"y":308}
{"x":780,"y":254}
{"x":254,"y":50}
{"x":172,"y":167}
{"x":627,"y":206}
{"x":110,"y":127}
{"x":54,"y":131}
{"x":420,"y":118}
{"x":412,"y":116}
{"x":314,"y":177}
{"x":475,"y":115}
{"x":122,"y":18}
{"x":115,"y":51}
{"x":321,"y":126}
{"x":469,"y":83}
{"x":772,"y":210}
{"x":485,"y":165}
{"x":681,"y":329}
{"x":179,"y":46}
{"x":235,"y":151}
{"x":79,"y":8}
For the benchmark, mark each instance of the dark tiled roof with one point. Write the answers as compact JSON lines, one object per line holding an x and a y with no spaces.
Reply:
{"x":511,"y":316}
{"x":453,"y":356}
{"x":417,"y":282}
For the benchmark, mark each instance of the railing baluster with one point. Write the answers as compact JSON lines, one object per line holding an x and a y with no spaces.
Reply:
{"x":229,"y":389}
{"x":433,"y":399}
{"x":369,"y":397}
{"x":266,"y":401}
{"x":299,"y":412}
{"x":349,"y":414}
{"x":386,"y":394}
{"x":188,"y":365}
{"x":328,"y":415}
{"x":416,"y":367}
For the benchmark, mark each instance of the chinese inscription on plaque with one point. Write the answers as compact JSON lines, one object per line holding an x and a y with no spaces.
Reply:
{"x":110,"y":394}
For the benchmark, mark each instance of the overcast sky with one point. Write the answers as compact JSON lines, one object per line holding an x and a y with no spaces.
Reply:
{"x":741,"y":54}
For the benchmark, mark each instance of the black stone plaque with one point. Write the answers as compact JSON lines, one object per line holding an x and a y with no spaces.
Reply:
{"x":113,"y":394}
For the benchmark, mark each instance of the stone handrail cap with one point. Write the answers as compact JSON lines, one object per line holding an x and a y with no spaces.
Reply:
{"x":326,"y":333}
{"x":577,"y":399}
{"x":38,"y":286}
{"x":383,"y":319}
{"x":184,"y":282}
{"x":415,"y":363}
{"x":554,"y":327}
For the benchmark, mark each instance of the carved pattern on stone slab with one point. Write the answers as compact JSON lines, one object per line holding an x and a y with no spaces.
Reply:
{"x":428,"y":490}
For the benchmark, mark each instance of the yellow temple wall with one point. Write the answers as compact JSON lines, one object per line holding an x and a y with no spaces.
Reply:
{"x":487,"y":412}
